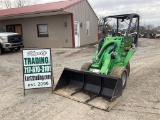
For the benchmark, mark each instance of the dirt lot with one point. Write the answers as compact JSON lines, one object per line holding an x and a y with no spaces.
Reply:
{"x":141,"y":98}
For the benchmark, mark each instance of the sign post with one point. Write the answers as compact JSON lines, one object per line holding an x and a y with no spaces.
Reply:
{"x":37,"y":69}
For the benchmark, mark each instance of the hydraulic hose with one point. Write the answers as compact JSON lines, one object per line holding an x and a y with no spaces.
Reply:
{"x":104,"y":48}
{"x":100,"y":43}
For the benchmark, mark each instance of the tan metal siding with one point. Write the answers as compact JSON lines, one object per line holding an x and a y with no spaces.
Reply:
{"x":59,"y":35}
{"x":82,"y":13}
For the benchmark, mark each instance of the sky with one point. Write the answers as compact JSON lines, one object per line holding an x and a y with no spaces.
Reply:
{"x":149,"y":10}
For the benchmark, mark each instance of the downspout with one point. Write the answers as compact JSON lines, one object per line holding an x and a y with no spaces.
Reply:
{"x":72,"y":25}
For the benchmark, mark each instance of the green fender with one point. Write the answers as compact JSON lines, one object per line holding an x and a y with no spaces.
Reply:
{"x":129,"y":55}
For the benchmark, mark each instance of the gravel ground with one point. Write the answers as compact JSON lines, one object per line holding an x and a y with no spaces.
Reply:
{"x":141,"y":98}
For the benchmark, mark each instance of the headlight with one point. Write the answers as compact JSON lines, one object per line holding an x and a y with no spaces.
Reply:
{"x":96,"y":71}
{"x":4,"y":39}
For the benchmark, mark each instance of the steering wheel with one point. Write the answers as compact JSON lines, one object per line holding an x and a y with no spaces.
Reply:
{"x":116,"y":34}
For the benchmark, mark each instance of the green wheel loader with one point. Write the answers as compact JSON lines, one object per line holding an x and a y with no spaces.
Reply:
{"x":100,"y":84}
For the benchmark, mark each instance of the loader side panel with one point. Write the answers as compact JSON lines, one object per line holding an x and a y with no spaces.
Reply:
{"x":65,"y":80}
{"x":129,"y":55}
{"x":108,"y":87}
{"x":117,"y":90}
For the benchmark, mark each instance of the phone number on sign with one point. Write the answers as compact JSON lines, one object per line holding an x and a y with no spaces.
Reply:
{"x":37,"y":69}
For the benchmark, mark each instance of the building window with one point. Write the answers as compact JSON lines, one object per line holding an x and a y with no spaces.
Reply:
{"x":2,"y":30}
{"x":87,"y":28}
{"x":17,"y":28}
{"x":42,"y":30}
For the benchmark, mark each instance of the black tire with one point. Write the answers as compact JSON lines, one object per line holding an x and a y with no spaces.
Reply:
{"x":128,"y":68}
{"x":1,"y":50}
{"x":122,"y":73}
{"x":18,"y":49}
{"x":86,"y":66}
{"x":12,"y":49}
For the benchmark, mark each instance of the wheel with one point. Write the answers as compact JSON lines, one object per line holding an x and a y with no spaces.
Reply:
{"x":86,"y":66}
{"x":122,"y":73}
{"x":12,"y":49}
{"x":116,"y":34}
{"x":18,"y":49}
{"x":1,"y":50}
{"x":128,"y":68}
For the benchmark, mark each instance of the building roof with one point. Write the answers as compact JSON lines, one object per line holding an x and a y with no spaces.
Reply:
{"x":53,"y":6}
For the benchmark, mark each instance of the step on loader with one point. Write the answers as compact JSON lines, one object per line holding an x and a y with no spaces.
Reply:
{"x":100,"y":84}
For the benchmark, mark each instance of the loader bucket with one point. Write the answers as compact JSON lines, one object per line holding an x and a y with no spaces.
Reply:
{"x":97,"y":90}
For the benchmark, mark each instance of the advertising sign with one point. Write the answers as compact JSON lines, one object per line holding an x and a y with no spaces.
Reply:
{"x":37,"y":68}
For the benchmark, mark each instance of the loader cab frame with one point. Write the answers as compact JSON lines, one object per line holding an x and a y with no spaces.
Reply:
{"x":122,"y":18}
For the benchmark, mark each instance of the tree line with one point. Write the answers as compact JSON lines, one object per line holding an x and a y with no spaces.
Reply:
{"x":6,"y":4}
{"x":143,"y":28}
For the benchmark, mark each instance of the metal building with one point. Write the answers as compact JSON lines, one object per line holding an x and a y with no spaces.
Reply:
{"x":70,"y":23}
